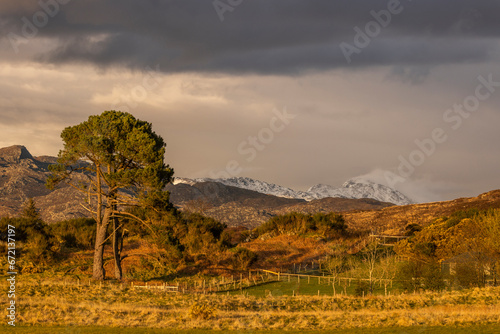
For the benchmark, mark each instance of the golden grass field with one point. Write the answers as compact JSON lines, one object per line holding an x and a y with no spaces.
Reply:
{"x":52,"y":302}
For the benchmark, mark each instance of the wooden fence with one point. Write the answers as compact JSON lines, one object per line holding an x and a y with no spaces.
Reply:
{"x":254,"y":278}
{"x":163,"y":287}
{"x":326,"y":279}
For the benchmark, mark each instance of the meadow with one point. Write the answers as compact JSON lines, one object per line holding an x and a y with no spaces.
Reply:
{"x":58,"y":306}
{"x":484,"y":329}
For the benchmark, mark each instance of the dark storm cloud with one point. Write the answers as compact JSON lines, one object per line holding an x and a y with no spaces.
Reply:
{"x":262,"y":36}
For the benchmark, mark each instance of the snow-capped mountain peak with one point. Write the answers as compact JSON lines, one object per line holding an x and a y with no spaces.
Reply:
{"x":353,"y":188}
{"x":250,"y":184}
{"x":357,"y":188}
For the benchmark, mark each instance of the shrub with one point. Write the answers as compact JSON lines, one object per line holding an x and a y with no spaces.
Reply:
{"x":242,"y":258}
{"x":152,"y":267}
{"x":409,"y":274}
{"x":37,"y":245}
{"x":362,"y":288}
{"x":469,"y":275}
{"x":411,"y":229}
{"x":76,"y":233}
{"x":200,"y":233}
{"x":178,"y":238}
{"x":202,"y":311}
{"x":329,"y":225}
{"x":433,"y":278}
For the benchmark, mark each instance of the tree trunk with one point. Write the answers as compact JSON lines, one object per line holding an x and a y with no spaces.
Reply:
{"x":98,"y":269}
{"x":98,"y":272}
{"x":117,"y":248}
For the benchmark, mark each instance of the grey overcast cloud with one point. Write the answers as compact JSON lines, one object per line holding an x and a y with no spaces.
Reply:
{"x":404,"y":93}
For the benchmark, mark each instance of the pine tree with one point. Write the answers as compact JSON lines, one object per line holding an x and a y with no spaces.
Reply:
{"x":122,"y":159}
{"x":30,"y":211}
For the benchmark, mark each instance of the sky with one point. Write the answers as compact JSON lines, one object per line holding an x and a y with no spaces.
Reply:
{"x":293,"y":92}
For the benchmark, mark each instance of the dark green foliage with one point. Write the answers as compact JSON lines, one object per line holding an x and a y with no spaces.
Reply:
{"x":411,"y":229}
{"x":426,"y":248}
{"x":242,"y":258}
{"x":35,"y":245}
{"x":362,"y":288}
{"x":329,"y":225}
{"x":116,"y":139}
{"x":432,"y":277}
{"x":30,"y":211}
{"x":24,"y":227}
{"x":409,"y":274}
{"x":234,"y":235}
{"x":123,"y":160}
{"x":469,"y":274}
{"x":192,"y":233}
{"x":458,"y":216}
{"x":166,"y":235}
{"x":414,"y":276}
{"x":154,"y":266}
{"x":179,"y":239}
{"x":201,"y":232}
{"x":76,"y":233}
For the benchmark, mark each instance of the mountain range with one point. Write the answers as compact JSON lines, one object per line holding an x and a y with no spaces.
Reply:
{"x":242,"y":201}
{"x":354,"y":189}
{"x":236,"y":201}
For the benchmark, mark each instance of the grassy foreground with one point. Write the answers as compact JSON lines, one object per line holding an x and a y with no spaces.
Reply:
{"x":484,"y":329}
{"x":120,"y":309}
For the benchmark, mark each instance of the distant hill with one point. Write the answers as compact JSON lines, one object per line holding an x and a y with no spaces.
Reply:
{"x":23,"y":176}
{"x":354,"y":189}
{"x":392,"y":220}
{"x":232,"y":201}
{"x":241,"y":207}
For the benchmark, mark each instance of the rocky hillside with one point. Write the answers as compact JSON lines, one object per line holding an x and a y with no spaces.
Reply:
{"x":392,"y":220}
{"x":23,"y":176}
{"x":241,"y":207}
